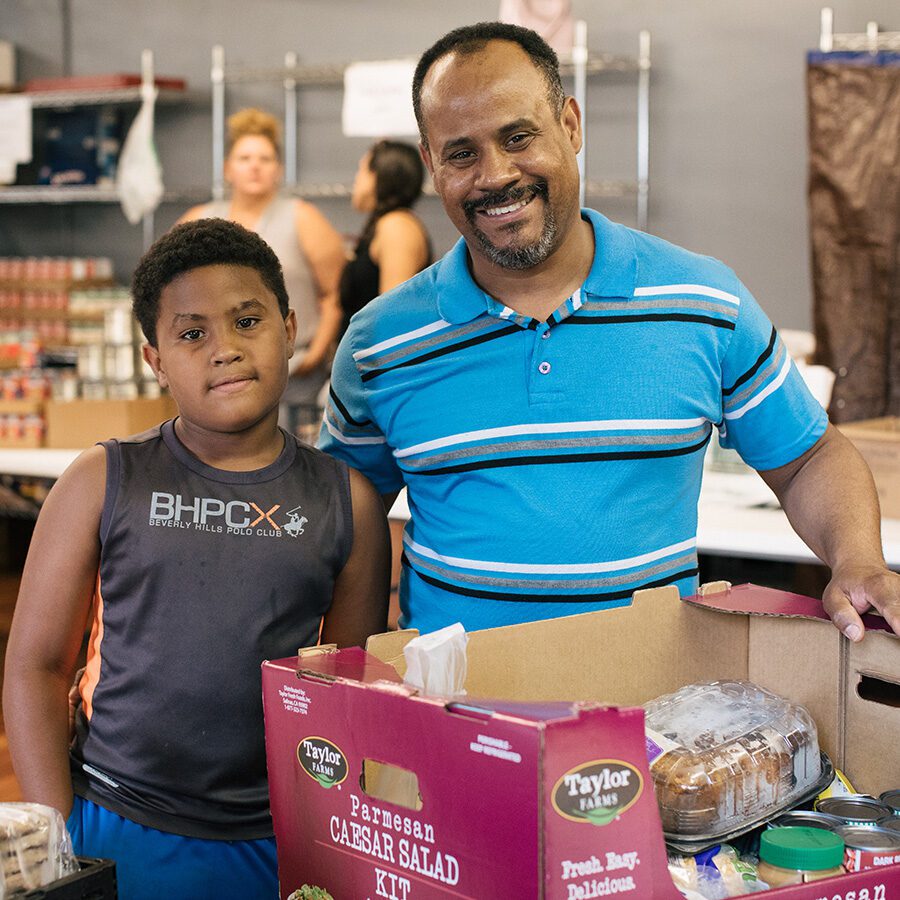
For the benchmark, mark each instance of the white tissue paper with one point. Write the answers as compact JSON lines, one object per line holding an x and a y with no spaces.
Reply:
{"x":436,"y":662}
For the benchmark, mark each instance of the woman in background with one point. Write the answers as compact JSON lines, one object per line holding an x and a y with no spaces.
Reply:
{"x":311,"y":252}
{"x":394,"y":244}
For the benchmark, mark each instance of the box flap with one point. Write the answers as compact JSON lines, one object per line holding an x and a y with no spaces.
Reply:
{"x":388,"y":647}
{"x":762,"y":601}
{"x":624,"y":656}
{"x":349,"y":664}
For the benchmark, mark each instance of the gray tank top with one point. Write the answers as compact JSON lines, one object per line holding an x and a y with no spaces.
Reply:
{"x":204,"y":573}
{"x":277,"y":227}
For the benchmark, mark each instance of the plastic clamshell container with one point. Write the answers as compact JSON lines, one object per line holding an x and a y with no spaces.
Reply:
{"x":726,"y":753}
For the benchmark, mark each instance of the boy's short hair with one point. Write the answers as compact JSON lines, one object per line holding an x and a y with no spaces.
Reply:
{"x":206,"y":242}
{"x":470,"y":39}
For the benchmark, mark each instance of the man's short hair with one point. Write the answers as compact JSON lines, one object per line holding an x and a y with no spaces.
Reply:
{"x":473,"y":38}
{"x":206,"y":242}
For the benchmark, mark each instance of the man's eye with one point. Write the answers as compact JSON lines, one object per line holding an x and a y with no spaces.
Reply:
{"x":247,"y":322}
{"x":462,"y":156}
{"x":519,"y":139}
{"x":192,"y":334}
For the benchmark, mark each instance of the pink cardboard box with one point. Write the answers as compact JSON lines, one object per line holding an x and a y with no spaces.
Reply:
{"x":546,"y":793}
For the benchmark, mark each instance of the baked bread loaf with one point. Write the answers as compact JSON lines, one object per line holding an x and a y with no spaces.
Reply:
{"x":727,"y":753}
{"x":35,"y":848}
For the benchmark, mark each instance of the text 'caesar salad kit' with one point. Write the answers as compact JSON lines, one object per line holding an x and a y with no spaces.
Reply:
{"x":546,"y":790}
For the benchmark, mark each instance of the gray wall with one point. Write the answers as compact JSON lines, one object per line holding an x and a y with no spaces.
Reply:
{"x":727,"y":132}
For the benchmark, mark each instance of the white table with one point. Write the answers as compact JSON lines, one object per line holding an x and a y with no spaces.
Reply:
{"x":35,"y":463}
{"x":738,"y":513}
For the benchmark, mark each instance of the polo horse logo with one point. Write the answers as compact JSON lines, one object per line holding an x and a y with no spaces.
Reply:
{"x":295,"y":526}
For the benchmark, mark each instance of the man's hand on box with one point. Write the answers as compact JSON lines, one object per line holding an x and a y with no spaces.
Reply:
{"x":858,"y":589}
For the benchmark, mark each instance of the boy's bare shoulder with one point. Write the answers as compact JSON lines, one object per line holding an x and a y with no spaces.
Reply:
{"x":85,"y":477}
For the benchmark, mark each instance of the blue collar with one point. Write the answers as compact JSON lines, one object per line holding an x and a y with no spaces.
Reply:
{"x":612,"y":273}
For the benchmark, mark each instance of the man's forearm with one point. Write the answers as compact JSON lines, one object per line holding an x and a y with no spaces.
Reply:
{"x":830,"y":500}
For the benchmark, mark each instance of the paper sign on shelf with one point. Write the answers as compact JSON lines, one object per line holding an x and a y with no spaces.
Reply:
{"x":378,"y":99}
{"x":15,"y":135}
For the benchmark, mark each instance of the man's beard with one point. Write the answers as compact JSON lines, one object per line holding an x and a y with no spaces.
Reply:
{"x":515,"y":257}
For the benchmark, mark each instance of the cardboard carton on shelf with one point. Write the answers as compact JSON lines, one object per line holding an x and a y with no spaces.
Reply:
{"x":878,"y":440}
{"x":502,"y":786}
{"x":74,"y":424}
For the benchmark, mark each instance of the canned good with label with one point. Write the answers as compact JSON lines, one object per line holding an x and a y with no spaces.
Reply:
{"x":120,"y":361}
{"x":869,"y":847}
{"x":118,"y":325}
{"x":856,"y":809}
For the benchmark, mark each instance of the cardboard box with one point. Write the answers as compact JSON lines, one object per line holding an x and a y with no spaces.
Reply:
{"x":504,"y":785}
{"x":878,"y":440}
{"x":75,"y":424}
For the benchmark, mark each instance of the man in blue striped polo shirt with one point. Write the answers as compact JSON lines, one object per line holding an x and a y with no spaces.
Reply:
{"x":547,"y":390}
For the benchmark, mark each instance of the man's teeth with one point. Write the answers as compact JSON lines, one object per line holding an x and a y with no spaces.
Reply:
{"x":502,"y":210}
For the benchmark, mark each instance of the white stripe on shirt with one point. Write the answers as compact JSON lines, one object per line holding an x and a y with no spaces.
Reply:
{"x":551,"y":428}
{"x":701,"y":289}
{"x":344,"y":439}
{"x":401,"y":339}
{"x":557,"y":569}
{"x":758,"y":398}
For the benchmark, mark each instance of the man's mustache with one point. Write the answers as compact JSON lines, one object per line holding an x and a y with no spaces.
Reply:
{"x":505,"y":198}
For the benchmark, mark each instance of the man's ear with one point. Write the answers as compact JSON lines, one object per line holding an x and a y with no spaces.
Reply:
{"x":151,"y":357}
{"x":570,"y":119}
{"x":290,"y":326}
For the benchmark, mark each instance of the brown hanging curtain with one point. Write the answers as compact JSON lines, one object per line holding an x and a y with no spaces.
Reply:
{"x":854,"y":217}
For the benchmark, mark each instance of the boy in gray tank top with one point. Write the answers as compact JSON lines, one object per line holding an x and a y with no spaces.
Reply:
{"x":195,"y":551}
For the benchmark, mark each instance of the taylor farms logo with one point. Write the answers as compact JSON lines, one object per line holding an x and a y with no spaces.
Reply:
{"x":598,"y":791}
{"x":322,"y":761}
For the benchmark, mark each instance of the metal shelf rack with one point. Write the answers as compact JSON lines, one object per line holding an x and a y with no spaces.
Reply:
{"x":66,"y":194}
{"x":579,"y":66}
{"x":872,"y":41}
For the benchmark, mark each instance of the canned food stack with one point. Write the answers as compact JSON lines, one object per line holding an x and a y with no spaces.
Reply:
{"x":35,"y":299}
{"x":108,"y":346}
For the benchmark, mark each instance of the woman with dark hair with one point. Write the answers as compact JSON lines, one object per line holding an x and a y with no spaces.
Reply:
{"x":393,"y":245}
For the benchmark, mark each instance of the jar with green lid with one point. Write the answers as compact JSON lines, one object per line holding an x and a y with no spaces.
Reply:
{"x":796,"y":855}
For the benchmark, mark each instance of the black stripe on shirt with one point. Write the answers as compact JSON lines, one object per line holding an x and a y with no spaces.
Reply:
{"x":755,"y":367}
{"x":649,"y":317}
{"x":343,"y":411}
{"x":502,"y":462}
{"x":443,"y":351}
{"x":548,"y":598}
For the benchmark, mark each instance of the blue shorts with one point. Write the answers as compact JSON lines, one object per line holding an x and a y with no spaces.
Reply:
{"x":152,"y":864}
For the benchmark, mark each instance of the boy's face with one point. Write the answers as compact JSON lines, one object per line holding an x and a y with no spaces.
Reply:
{"x":222,"y":347}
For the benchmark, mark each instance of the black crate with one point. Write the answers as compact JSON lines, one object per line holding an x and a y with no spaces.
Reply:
{"x":95,"y":881}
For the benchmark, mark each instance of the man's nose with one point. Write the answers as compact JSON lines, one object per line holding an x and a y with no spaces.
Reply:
{"x":496,"y":170}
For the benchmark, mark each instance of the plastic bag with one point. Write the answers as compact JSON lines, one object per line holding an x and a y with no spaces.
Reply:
{"x":35,"y":846}
{"x":139,"y":177}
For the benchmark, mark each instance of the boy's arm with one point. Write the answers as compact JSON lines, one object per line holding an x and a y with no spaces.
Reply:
{"x":360,"y":603}
{"x":48,"y":627}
